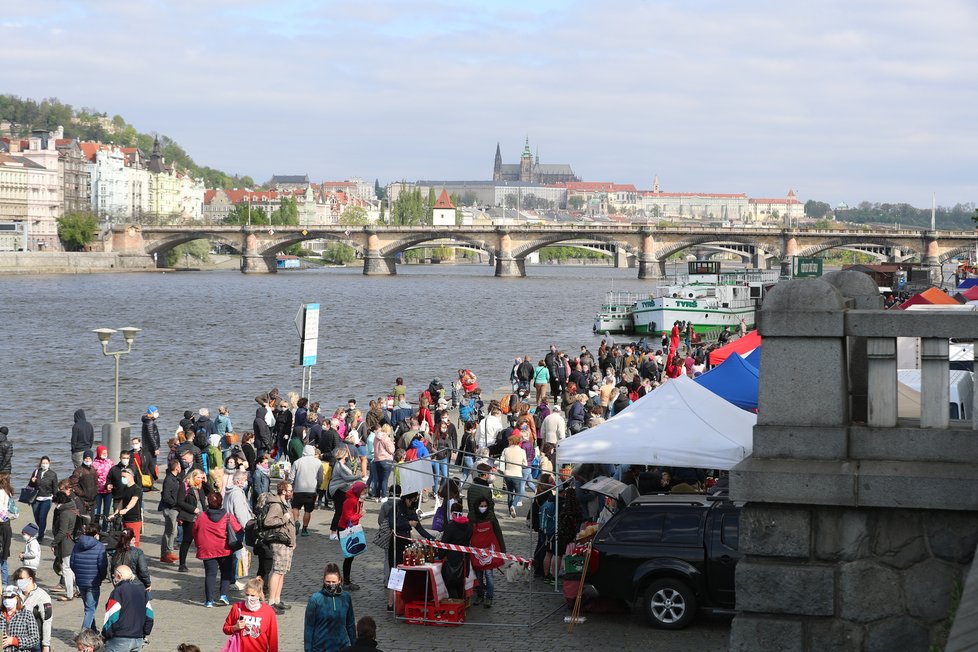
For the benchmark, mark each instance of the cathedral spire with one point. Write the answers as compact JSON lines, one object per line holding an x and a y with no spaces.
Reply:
{"x":655,"y":184}
{"x":526,"y":148}
{"x":497,"y":167}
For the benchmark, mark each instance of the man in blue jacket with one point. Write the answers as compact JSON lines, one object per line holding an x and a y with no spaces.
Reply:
{"x":89,"y":564}
{"x":128,"y":613}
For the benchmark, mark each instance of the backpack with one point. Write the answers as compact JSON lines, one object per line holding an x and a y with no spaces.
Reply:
{"x":548,"y":519}
{"x":265,"y":533}
{"x":504,"y":404}
{"x":502,"y":441}
{"x":467,"y":411}
{"x":411,"y":454}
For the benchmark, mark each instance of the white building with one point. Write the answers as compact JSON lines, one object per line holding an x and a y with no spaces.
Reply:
{"x":45,"y":193}
{"x":731,"y":207}
{"x":443,"y":212}
{"x":782,"y":210}
{"x":111,"y":181}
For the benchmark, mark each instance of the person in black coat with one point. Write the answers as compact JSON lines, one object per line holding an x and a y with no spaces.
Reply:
{"x":82,"y":437}
{"x":85,"y":482}
{"x":366,"y":637}
{"x":264,"y":441}
{"x":151,"y":440}
{"x":170,"y":496}
{"x":458,"y":531}
{"x":190,"y":504}
{"x":283,"y":425}
{"x":114,"y":481}
{"x":6,"y":451}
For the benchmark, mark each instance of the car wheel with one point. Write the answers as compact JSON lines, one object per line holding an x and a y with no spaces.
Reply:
{"x":670,"y":603}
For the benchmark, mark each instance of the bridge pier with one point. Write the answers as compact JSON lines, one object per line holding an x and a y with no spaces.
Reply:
{"x":650,"y":268}
{"x":759,"y":260}
{"x":376,"y":265}
{"x":258,"y":264}
{"x":510,"y":267}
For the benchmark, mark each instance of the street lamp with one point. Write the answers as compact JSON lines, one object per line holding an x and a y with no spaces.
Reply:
{"x":112,"y":433}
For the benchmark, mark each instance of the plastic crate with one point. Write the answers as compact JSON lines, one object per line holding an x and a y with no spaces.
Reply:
{"x":573,"y":564}
{"x":449,"y":613}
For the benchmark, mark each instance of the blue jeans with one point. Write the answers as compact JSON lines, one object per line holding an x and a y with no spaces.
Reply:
{"x":124,"y":645}
{"x":3,"y":571}
{"x":89,"y":596}
{"x":41,"y":509}
{"x":526,"y":484}
{"x":485,"y":583}
{"x":380,"y":473}
{"x":512,"y":489}
{"x":468,"y":462}
{"x":440,"y":470}
{"x":212,"y":567}
{"x":103,"y":505}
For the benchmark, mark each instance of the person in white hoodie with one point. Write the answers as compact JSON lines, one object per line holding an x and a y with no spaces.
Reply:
{"x":31,"y":556}
{"x":306,"y":475}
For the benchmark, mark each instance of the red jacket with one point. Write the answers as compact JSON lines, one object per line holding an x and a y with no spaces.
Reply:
{"x":352,"y":512}
{"x":210,"y":537}
{"x":261,"y":631}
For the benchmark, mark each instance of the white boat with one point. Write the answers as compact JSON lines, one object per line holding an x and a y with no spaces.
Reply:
{"x":615,"y":315}
{"x":706,"y":297}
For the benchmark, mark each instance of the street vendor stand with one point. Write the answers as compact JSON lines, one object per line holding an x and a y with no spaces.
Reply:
{"x":423,"y":596}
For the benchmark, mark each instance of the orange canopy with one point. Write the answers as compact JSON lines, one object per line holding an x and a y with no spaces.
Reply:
{"x":741,"y":346}
{"x":930,"y":295}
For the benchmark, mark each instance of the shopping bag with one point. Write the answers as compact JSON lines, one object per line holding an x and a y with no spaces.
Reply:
{"x":27,"y":495}
{"x":233,"y":644}
{"x":353,"y":541}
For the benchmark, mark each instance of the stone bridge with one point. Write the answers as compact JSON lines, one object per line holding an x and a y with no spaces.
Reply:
{"x":508,"y":246}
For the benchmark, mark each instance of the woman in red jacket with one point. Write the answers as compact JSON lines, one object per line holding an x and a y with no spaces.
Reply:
{"x":351,"y":515}
{"x":252,"y":621}
{"x":211,"y":538}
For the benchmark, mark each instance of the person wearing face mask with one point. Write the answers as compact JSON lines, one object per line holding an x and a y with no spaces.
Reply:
{"x":37,"y":603}
{"x":65,"y":527}
{"x":458,"y":531}
{"x":46,"y":482}
{"x":103,"y":499}
{"x":89,"y":565}
{"x":128,"y":613}
{"x":190,"y":504}
{"x":260,"y":480}
{"x":130,"y":506}
{"x":85,"y":481}
{"x":17,"y":626}
{"x":169,"y":505}
{"x":139,"y":464}
{"x":329,"y":624}
{"x":114,"y":481}
{"x":486,"y":534}
{"x":151,"y":442}
{"x":32,"y":549}
{"x":252,"y":621}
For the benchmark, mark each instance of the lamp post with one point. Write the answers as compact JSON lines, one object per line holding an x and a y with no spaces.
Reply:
{"x":112,"y":433}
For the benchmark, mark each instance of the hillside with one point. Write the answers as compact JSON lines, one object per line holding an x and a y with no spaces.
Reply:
{"x":89,"y":124}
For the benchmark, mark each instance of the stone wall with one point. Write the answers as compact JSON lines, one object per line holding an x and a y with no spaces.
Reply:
{"x":848,"y":579}
{"x":857,"y":525}
{"x":36,"y":262}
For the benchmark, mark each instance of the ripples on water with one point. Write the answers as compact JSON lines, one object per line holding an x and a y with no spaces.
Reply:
{"x":215,"y":338}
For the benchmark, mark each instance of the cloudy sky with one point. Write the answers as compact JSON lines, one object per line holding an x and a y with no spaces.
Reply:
{"x":843,"y":100}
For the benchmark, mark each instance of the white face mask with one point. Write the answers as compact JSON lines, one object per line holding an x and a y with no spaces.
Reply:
{"x":136,"y":446}
{"x":87,"y":462}
{"x":252,"y":602}
{"x":483,"y":510}
{"x":125,"y":481}
{"x":22,"y":585}
{"x":124,"y":461}
{"x":45,"y":466}
{"x":10,"y":604}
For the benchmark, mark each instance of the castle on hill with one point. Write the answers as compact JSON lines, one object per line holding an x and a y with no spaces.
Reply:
{"x":531,"y":170}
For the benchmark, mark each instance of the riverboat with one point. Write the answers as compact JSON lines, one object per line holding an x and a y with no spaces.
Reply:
{"x":615,"y":315}
{"x":706,"y":297}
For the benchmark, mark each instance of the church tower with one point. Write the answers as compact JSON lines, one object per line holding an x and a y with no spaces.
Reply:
{"x":526,"y":163}
{"x":497,"y":168}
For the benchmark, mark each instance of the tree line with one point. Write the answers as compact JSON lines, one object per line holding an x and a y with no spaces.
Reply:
{"x":959,"y":216}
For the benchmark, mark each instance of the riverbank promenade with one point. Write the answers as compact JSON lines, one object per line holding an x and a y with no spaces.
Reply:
{"x":524,"y":616}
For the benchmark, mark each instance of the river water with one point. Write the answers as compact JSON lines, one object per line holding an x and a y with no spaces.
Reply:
{"x":212,"y":338}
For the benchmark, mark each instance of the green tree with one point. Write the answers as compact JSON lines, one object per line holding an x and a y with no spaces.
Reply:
{"x":339,"y":253}
{"x":430,"y":206}
{"x":974,"y":217}
{"x":77,"y":230}
{"x":287,"y":214}
{"x":198,"y":250}
{"x":355,"y":215}
{"x":243,"y":214}
{"x":379,"y":192}
{"x":575,"y":202}
{"x":410,"y":209}
{"x":817,"y":209}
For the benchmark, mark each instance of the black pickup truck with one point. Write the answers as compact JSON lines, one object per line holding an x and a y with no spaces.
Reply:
{"x":671,"y":553}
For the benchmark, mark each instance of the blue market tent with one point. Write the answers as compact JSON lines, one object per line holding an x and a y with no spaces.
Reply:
{"x":754,"y":358}
{"x":734,"y":380}
{"x":967,"y":283}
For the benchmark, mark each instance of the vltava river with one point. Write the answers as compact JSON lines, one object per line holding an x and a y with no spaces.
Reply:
{"x":213,"y":338}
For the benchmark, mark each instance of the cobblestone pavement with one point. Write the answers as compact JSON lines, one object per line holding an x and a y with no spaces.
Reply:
{"x":524,"y":616}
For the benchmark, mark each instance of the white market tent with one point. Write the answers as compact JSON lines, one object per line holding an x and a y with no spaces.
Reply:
{"x":680,"y":423}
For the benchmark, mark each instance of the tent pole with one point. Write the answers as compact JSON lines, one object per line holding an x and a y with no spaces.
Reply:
{"x":557,"y":555}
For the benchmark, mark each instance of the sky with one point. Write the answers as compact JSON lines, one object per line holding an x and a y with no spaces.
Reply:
{"x":841,"y":100}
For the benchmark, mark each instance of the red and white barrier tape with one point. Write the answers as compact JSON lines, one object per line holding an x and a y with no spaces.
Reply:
{"x":482,"y":552}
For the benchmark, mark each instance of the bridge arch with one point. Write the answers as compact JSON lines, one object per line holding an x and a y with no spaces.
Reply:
{"x":568,"y":238}
{"x":416,"y":240}
{"x":287,"y":239}
{"x":162,"y":246}
{"x":951,"y":254}
{"x":667,"y":249}
{"x":854,"y":241}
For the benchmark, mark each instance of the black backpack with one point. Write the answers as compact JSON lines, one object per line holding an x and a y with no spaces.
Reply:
{"x":262,"y":532}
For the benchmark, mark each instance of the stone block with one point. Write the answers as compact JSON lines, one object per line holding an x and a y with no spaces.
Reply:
{"x":918,"y":485}
{"x":800,"y":442}
{"x":813,"y":323}
{"x":772,"y":531}
{"x":833,"y":636}
{"x":952,"y":536}
{"x":811,"y":369}
{"x":841,"y":534}
{"x":909,"y":444}
{"x":868,"y":592}
{"x":897,"y":634}
{"x":897,"y":537}
{"x":928,"y":586}
{"x":751,"y":633}
{"x":808,"y":482}
{"x":785,"y":588}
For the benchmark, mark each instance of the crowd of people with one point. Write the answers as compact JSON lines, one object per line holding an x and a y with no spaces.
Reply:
{"x":243,"y":498}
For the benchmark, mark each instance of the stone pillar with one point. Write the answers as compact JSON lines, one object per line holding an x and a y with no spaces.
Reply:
{"x":896,"y":255}
{"x":128,"y":243}
{"x":931,"y":257}
{"x":506,"y":265}
{"x":790,"y":251}
{"x":621,"y":257}
{"x":648,"y":266}
{"x":375,"y":264}
{"x":759,"y":259}
{"x":253,"y":262}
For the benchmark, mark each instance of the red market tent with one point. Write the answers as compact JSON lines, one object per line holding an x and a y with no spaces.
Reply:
{"x":929,"y":296}
{"x":741,"y":346}
{"x":971,"y":294}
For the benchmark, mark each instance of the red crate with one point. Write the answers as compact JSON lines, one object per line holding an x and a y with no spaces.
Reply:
{"x":449,"y":613}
